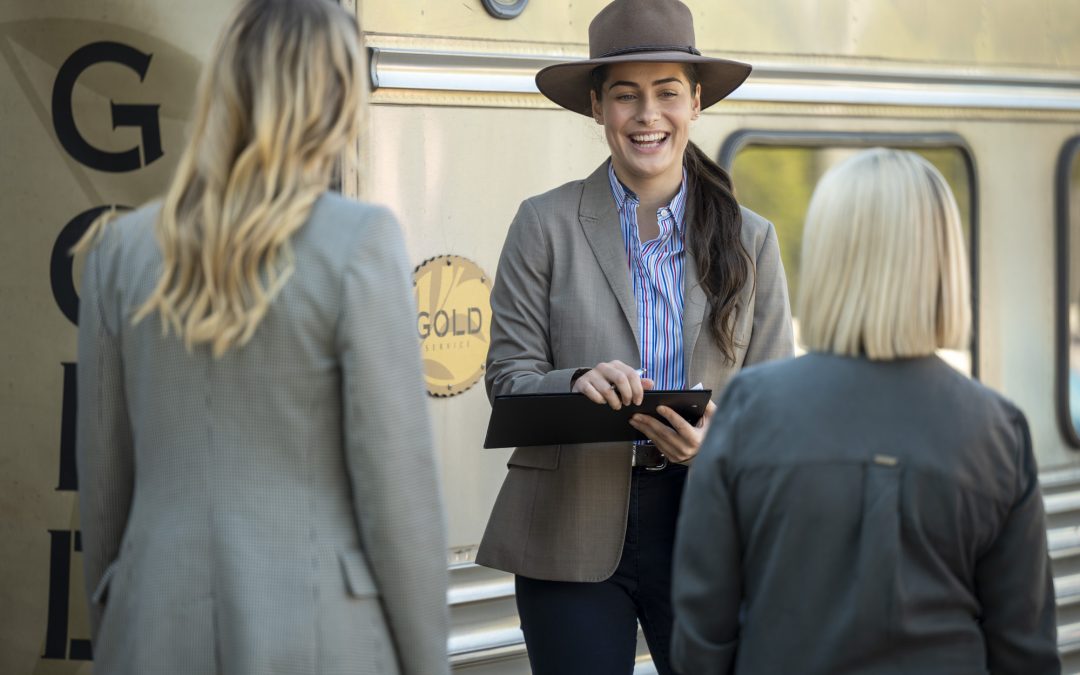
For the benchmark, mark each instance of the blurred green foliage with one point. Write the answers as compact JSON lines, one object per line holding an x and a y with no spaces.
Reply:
{"x":778,"y":181}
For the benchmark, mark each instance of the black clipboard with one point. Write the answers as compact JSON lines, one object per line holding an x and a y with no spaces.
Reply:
{"x":560,"y":419}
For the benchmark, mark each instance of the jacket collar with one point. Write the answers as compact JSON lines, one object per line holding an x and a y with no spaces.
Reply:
{"x":600,"y":221}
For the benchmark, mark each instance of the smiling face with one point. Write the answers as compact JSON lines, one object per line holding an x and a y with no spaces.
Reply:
{"x":646,"y":109}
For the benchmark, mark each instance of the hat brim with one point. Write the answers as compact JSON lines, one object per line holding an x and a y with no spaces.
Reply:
{"x":568,"y":84}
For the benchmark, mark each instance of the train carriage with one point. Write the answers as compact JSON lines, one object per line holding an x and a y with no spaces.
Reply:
{"x":97,"y":96}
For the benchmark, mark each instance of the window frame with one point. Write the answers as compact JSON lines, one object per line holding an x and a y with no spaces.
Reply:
{"x":1062,"y":174}
{"x":743,"y":138}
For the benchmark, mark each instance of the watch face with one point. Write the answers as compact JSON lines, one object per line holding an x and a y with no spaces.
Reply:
{"x":504,"y":9}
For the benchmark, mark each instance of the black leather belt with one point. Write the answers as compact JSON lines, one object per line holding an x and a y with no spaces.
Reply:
{"x":648,"y":456}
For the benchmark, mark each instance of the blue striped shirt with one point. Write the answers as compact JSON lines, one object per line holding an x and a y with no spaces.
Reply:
{"x":656,"y":275}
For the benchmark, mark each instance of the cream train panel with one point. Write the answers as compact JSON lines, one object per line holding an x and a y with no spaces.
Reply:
{"x":992,"y":33}
{"x":1017,"y":280}
{"x":455,"y":178}
{"x":61,"y":63}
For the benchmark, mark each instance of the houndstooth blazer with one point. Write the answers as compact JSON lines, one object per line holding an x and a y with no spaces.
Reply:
{"x":276,"y":510}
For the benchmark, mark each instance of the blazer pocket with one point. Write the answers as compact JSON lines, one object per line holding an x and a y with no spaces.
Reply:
{"x":358,"y":580}
{"x":536,"y":457}
{"x":101,"y":592}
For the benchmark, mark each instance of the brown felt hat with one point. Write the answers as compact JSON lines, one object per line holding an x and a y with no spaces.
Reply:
{"x":639,"y":30}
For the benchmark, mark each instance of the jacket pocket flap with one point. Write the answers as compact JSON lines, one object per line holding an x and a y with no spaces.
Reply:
{"x":536,"y":457}
{"x":358,"y":579}
{"x":101,"y":592}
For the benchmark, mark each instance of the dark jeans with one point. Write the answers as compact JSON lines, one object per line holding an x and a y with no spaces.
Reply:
{"x":591,"y":628}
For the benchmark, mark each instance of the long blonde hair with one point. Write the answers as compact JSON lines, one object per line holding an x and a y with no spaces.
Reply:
{"x":884,"y":269}
{"x":277,"y":104}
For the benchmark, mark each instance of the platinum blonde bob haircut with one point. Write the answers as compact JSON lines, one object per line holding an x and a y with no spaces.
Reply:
{"x":884,"y":267}
{"x":278,"y":102}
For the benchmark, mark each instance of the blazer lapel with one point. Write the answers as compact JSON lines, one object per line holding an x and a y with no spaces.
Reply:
{"x":694,"y":305}
{"x":600,"y":221}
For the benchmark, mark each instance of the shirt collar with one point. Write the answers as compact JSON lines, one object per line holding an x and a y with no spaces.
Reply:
{"x":624,"y":195}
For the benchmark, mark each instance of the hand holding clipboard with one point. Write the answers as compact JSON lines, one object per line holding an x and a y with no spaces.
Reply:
{"x":677,"y":438}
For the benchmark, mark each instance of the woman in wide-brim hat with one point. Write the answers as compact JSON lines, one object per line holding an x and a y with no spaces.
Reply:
{"x":645,"y":274}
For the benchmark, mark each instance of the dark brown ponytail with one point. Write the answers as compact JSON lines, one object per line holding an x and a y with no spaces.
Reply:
{"x":714,"y":225}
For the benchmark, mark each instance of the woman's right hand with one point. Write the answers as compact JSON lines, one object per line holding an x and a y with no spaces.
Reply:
{"x":613,"y":383}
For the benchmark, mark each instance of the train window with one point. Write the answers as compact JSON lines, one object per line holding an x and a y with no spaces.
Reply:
{"x":775,"y":175}
{"x":1068,"y":300}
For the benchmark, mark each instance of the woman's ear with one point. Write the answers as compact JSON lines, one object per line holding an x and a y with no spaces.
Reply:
{"x":696,"y":105}
{"x":597,"y":109}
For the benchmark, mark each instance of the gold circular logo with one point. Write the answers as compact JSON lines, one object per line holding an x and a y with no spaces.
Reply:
{"x":453,"y":301}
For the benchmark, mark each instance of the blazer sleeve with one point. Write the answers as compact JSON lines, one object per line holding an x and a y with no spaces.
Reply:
{"x":519,"y":359}
{"x":706,"y":571}
{"x":1014,"y":583}
{"x":771,"y":335}
{"x":389,"y":450}
{"x":103,"y":443}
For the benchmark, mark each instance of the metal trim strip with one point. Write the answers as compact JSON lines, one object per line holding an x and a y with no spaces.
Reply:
{"x":398,"y":68}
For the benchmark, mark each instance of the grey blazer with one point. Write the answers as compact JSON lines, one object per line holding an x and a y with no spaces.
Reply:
{"x":562,"y":301}
{"x":869,"y":517}
{"x":276,"y":510}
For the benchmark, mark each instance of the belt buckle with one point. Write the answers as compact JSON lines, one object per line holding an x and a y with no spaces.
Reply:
{"x":663,"y":458}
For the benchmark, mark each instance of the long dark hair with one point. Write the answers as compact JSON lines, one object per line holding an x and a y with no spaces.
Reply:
{"x":714,"y":225}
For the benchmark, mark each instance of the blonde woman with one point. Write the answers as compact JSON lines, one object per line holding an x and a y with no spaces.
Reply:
{"x":251,"y":502}
{"x":866,"y":508}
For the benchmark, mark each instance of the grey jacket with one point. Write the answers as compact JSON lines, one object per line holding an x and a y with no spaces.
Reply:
{"x":276,"y":510}
{"x":867,"y":517}
{"x":562,"y":300}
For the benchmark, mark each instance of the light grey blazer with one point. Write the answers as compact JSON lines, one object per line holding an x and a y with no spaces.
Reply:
{"x":855,"y":516}
{"x":276,"y":510}
{"x":562,"y":300}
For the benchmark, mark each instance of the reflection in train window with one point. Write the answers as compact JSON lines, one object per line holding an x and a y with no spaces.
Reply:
{"x":1068,"y":216}
{"x":776,"y":181}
